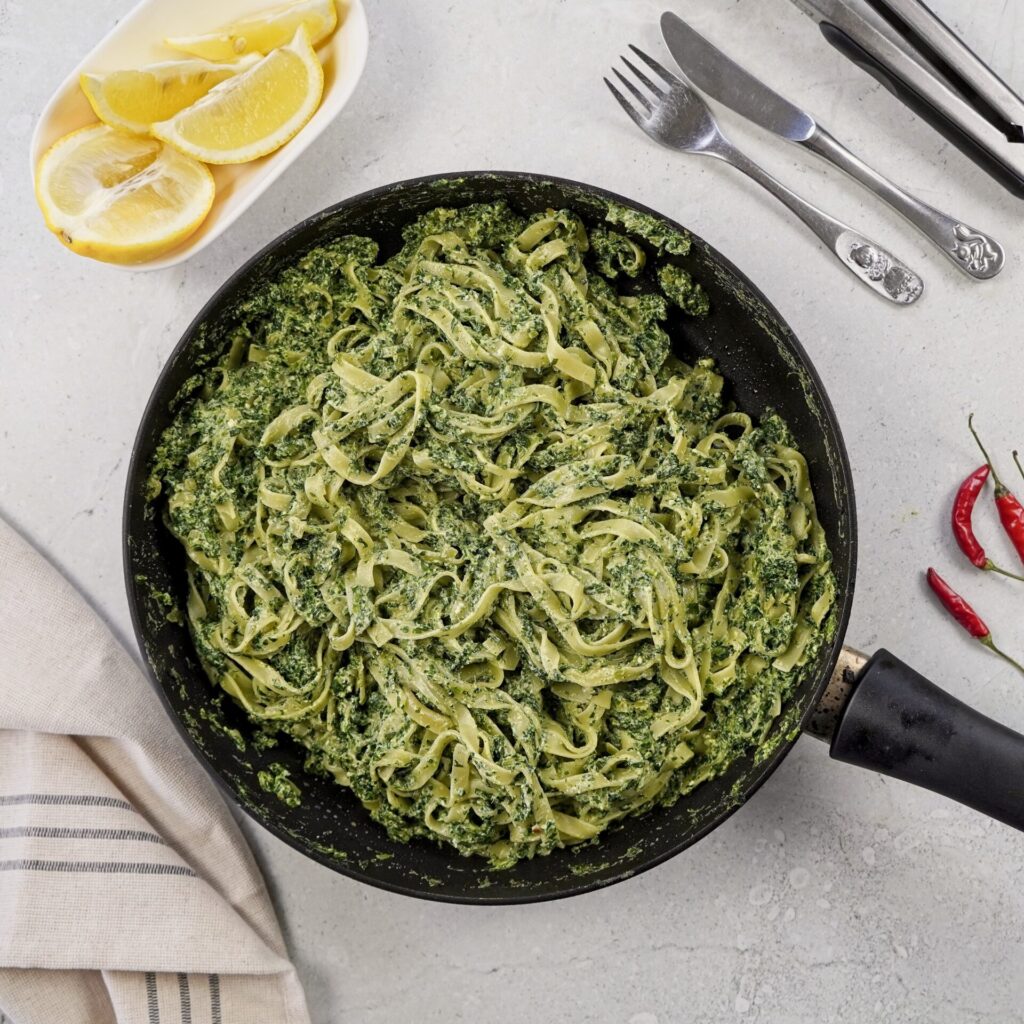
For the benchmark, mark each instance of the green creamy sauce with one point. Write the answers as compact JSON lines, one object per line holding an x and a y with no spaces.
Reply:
{"x":277,"y":780}
{"x":462,"y":527}
{"x":680,"y":288}
{"x":656,"y":233}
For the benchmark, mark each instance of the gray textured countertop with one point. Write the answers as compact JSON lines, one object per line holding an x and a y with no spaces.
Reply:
{"x":835,"y":895}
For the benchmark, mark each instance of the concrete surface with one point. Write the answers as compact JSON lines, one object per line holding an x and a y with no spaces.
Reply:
{"x":835,"y":895}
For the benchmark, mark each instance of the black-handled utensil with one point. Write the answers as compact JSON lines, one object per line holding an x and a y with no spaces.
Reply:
{"x":903,"y":45}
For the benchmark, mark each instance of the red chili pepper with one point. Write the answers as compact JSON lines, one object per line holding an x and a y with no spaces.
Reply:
{"x":1011,"y":511}
{"x":963,"y":529}
{"x":966,"y":616}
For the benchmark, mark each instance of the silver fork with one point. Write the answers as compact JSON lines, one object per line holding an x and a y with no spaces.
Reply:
{"x":677,"y":117}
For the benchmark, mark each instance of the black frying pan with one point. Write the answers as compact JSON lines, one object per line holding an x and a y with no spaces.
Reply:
{"x":880,"y":714}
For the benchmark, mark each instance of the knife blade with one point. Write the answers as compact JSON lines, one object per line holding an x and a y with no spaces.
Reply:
{"x":714,"y":73}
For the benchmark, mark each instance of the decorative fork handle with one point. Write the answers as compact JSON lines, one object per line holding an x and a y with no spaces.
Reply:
{"x":974,"y":252}
{"x":878,"y":269}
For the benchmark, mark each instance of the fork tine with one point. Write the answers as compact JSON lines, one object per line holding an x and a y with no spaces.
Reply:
{"x":637,"y":94}
{"x":657,"y":90}
{"x":627,"y":106}
{"x":665,"y":75}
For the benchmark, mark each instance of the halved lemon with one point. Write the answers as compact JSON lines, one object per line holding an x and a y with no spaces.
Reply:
{"x":135,"y":99}
{"x":263,"y":31}
{"x":254,"y":112}
{"x":120,"y":197}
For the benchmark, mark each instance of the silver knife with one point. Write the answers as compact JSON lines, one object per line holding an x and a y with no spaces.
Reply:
{"x":975,"y":253}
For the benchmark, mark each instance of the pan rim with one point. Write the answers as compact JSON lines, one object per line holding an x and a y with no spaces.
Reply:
{"x":581,"y":884}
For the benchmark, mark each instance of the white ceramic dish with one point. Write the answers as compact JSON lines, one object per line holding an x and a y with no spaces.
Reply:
{"x":138,"y":39}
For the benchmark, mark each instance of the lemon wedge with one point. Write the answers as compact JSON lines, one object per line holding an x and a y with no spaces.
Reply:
{"x":263,"y":31}
{"x":135,"y":99}
{"x":118,"y":197}
{"x":252,"y":113}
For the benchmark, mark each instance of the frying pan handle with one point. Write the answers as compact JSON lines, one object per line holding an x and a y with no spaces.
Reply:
{"x":900,"y":724}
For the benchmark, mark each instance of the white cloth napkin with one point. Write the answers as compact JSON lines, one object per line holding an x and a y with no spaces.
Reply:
{"x":127,"y":892}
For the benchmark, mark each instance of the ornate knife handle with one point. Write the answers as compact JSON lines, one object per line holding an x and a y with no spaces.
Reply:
{"x":974,"y":252}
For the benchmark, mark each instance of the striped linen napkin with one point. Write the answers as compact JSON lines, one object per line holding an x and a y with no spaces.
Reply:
{"x":127,"y":892}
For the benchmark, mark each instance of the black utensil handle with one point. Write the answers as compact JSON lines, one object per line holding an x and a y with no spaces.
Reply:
{"x":856,"y":53}
{"x":900,"y":724}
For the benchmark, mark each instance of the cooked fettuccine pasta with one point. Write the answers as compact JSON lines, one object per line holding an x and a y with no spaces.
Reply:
{"x":461,"y":525}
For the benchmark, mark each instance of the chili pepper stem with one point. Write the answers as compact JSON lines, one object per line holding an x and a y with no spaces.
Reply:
{"x":1016,"y":459}
{"x":995,"y":476}
{"x":992,"y":567}
{"x":986,"y":641}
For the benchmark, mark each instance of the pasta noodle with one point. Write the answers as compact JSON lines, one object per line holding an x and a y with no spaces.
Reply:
{"x":462,"y":526}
